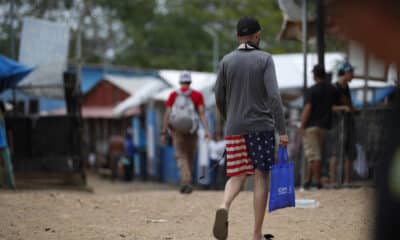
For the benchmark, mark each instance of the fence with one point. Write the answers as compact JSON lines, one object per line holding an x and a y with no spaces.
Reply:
{"x":370,"y":134}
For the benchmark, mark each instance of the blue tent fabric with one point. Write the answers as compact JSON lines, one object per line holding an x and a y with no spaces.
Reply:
{"x":11,"y":73}
{"x":378,"y":96}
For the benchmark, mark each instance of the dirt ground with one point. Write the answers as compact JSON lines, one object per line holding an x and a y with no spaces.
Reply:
{"x":147,"y":211}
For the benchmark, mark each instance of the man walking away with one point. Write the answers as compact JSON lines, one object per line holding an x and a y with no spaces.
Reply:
{"x":247,"y":96}
{"x":183,"y":108}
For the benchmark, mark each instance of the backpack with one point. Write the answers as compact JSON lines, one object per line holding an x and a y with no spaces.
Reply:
{"x":183,"y":117}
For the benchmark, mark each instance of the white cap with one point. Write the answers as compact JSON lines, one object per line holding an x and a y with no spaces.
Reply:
{"x":185,"y":77}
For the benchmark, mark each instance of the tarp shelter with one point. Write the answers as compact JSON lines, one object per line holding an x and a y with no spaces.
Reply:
{"x":11,"y":73}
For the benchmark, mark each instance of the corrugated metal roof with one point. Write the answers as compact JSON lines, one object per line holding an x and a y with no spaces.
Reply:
{"x":200,"y":80}
{"x":129,"y":84}
{"x":99,"y":112}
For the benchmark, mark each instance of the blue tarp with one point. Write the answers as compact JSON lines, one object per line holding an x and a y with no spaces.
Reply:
{"x":11,"y":73}
{"x":378,"y":96}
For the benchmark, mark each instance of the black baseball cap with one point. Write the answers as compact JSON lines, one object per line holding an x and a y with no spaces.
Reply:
{"x":247,"y":26}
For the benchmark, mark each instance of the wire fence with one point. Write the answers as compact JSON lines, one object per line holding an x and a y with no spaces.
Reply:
{"x":368,"y":139}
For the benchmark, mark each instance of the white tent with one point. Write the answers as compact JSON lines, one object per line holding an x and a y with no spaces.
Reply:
{"x":289,"y":71}
{"x":289,"y":68}
{"x":140,"y":89}
{"x":201,"y":81}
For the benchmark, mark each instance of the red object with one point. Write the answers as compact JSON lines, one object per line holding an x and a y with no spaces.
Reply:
{"x":196,"y":96}
{"x":104,"y":94}
{"x":237,"y":159}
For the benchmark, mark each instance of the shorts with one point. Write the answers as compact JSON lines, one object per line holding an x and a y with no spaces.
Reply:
{"x":314,"y":138}
{"x":245,"y":153}
{"x":347,"y":147}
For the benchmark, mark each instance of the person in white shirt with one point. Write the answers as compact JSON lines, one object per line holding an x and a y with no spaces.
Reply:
{"x":216,"y":149}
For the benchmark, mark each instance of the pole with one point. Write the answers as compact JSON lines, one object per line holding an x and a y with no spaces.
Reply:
{"x":12,"y":32}
{"x":305,"y":50}
{"x":366,"y":74}
{"x":12,"y":47}
{"x":320,"y":30}
{"x":214,"y":36}
{"x":215,"y":52}
{"x":305,"y":45}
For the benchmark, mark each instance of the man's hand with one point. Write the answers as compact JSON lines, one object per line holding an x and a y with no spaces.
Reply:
{"x":302,"y":131}
{"x":207,"y":135}
{"x":284,"y":140}
{"x":164,"y":138}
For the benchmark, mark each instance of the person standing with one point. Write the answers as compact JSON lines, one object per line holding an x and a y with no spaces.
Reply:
{"x":116,"y":151}
{"x":247,"y":96}
{"x":183,"y":108}
{"x":345,"y":74}
{"x":216,"y":149}
{"x":6,"y":167}
{"x":320,"y":100}
{"x":130,"y":151}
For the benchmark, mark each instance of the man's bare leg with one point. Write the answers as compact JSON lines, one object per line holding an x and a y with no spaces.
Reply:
{"x":309,"y":172}
{"x":332,"y":170}
{"x":348,"y":171}
{"x":232,"y":189}
{"x":260,"y":202}
{"x":317,"y":171}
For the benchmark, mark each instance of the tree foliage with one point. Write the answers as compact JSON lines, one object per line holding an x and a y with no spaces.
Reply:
{"x":154,"y":33}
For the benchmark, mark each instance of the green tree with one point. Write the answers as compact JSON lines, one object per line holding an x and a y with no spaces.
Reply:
{"x":155,"y":33}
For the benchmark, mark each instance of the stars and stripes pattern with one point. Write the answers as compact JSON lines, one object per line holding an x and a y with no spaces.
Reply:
{"x":237,"y":159}
{"x":261,"y":149}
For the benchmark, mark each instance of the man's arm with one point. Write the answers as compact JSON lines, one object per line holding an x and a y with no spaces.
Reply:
{"x":338,"y":108}
{"x":305,"y":116}
{"x":202,"y":115}
{"x":220,"y":92}
{"x":275,"y":101}
{"x":165,"y":125}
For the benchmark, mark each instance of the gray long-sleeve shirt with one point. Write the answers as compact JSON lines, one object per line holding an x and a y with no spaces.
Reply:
{"x":247,"y":93}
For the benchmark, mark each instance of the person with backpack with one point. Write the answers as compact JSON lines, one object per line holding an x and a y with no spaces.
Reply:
{"x":247,"y":96}
{"x":184,"y":108}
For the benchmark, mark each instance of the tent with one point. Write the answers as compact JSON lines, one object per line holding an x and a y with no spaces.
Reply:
{"x":11,"y":73}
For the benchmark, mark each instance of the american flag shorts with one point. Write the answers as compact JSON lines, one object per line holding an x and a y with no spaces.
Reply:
{"x":244,"y":153}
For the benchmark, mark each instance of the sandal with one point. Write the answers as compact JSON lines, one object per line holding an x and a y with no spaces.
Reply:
{"x":220,"y":229}
{"x":268,"y":237}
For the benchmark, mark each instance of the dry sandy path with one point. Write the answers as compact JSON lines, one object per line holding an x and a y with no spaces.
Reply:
{"x":146,"y":211}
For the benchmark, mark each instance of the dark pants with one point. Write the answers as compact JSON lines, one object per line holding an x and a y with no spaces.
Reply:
{"x":129,"y":170}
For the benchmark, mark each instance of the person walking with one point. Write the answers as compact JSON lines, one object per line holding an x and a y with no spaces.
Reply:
{"x":320,"y":100}
{"x":247,"y":96}
{"x":183,"y":109}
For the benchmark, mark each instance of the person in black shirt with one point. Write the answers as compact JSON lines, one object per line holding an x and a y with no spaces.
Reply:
{"x":316,"y":119}
{"x":348,"y":143}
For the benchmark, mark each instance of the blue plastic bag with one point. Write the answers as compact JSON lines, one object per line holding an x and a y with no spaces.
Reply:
{"x":282,"y":191}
